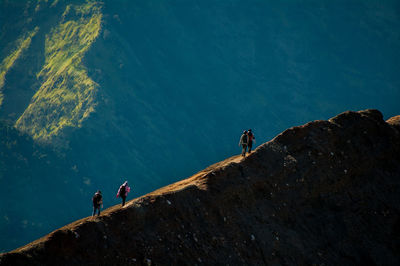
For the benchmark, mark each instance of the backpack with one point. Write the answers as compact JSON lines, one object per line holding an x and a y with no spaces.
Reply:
{"x":251,"y":136}
{"x":244,"y":139}
{"x":122,"y":192}
{"x":96,"y":199}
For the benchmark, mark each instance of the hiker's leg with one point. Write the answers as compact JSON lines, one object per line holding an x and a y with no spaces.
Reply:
{"x":98,"y":210}
{"x":123,"y":200}
{"x":94,"y":210}
{"x":244,"y":149}
{"x":250,"y":146}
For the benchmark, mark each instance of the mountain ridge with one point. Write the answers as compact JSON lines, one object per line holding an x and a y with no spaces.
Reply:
{"x":116,"y":87}
{"x":325,"y":192}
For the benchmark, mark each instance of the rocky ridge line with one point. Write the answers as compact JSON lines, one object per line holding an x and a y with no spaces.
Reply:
{"x":325,"y":193}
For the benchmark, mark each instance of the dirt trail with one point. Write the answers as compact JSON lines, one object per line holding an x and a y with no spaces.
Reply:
{"x":195,"y":179}
{"x":323,"y":193}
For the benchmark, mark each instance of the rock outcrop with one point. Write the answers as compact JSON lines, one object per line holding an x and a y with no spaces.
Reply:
{"x":325,"y":193}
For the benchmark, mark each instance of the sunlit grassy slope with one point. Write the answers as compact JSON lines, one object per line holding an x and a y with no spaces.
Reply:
{"x":21,"y":45}
{"x":66,"y":96}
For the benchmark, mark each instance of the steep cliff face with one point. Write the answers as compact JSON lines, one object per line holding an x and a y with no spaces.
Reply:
{"x":325,"y":193}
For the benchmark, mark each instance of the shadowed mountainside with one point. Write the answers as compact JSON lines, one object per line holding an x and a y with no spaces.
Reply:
{"x":116,"y":87}
{"x":326,"y":193}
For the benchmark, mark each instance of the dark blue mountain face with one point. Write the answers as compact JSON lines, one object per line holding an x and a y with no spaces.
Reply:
{"x":180,"y":80}
{"x":188,"y":77}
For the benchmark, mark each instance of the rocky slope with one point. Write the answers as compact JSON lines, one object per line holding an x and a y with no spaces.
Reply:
{"x":325,"y":193}
{"x":118,"y":86}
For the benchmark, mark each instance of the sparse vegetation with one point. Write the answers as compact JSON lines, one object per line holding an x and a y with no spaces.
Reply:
{"x":66,"y":96}
{"x":168,"y":88}
{"x":21,"y":45}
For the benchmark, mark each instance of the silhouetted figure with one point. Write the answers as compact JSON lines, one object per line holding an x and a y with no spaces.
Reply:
{"x":123,"y":192}
{"x":243,"y":142}
{"x":97,"y":200}
{"x":251,"y":138}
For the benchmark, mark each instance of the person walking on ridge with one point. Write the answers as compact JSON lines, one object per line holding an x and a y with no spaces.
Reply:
{"x":251,"y":139}
{"x":243,"y":142}
{"x":123,"y":191}
{"x":97,"y":200}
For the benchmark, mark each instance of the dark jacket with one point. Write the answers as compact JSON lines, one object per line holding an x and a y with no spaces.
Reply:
{"x":243,"y":139}
{"x":97,"y":199}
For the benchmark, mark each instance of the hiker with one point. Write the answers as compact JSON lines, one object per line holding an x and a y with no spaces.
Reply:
{"x":123,"y":191}
{"x":251,"y":139}
{"x":243,"y":142}
{"x":97,"y":202}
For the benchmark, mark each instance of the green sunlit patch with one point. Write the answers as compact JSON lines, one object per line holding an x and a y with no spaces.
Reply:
{"x":21,"y":45}
{"x":66,"y":96}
